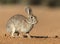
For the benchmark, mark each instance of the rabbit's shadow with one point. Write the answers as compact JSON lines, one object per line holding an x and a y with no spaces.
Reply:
{"x":37,"y":37}
{"x":33,"y":36}
{"x":42,"y":37}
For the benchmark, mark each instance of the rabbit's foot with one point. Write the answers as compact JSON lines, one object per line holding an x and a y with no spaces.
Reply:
{"x":21,"y":36}
{"x":28,"y":36}
{"x":12,"y":36}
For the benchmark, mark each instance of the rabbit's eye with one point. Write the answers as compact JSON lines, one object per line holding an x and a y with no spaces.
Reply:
{"x":31,"y":17}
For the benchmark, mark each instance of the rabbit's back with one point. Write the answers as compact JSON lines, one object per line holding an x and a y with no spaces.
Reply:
{"x":16,"y":21}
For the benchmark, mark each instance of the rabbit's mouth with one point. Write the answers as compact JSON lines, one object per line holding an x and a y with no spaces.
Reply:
{"x":34,"y":21}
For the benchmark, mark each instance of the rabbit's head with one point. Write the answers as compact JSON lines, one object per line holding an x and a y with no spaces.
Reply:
{"x":31,"y":18}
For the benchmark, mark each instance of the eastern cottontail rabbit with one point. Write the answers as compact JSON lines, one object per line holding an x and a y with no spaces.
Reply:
{"x":21,"y":23}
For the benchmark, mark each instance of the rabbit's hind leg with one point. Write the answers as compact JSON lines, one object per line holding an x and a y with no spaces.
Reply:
{"x":13,"y":31}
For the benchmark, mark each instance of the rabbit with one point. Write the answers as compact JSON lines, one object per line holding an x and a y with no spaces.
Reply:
{"x":21,"y":24}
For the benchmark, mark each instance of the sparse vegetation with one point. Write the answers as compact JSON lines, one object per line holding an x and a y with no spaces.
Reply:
{"x":9,"y":1}
{"x":51,"y":3}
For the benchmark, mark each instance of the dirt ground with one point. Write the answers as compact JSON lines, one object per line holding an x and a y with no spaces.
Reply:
{"x":48,"y":24}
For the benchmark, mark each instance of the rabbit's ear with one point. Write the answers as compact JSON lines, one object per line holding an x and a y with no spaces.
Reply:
{"x":28,"y":10}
